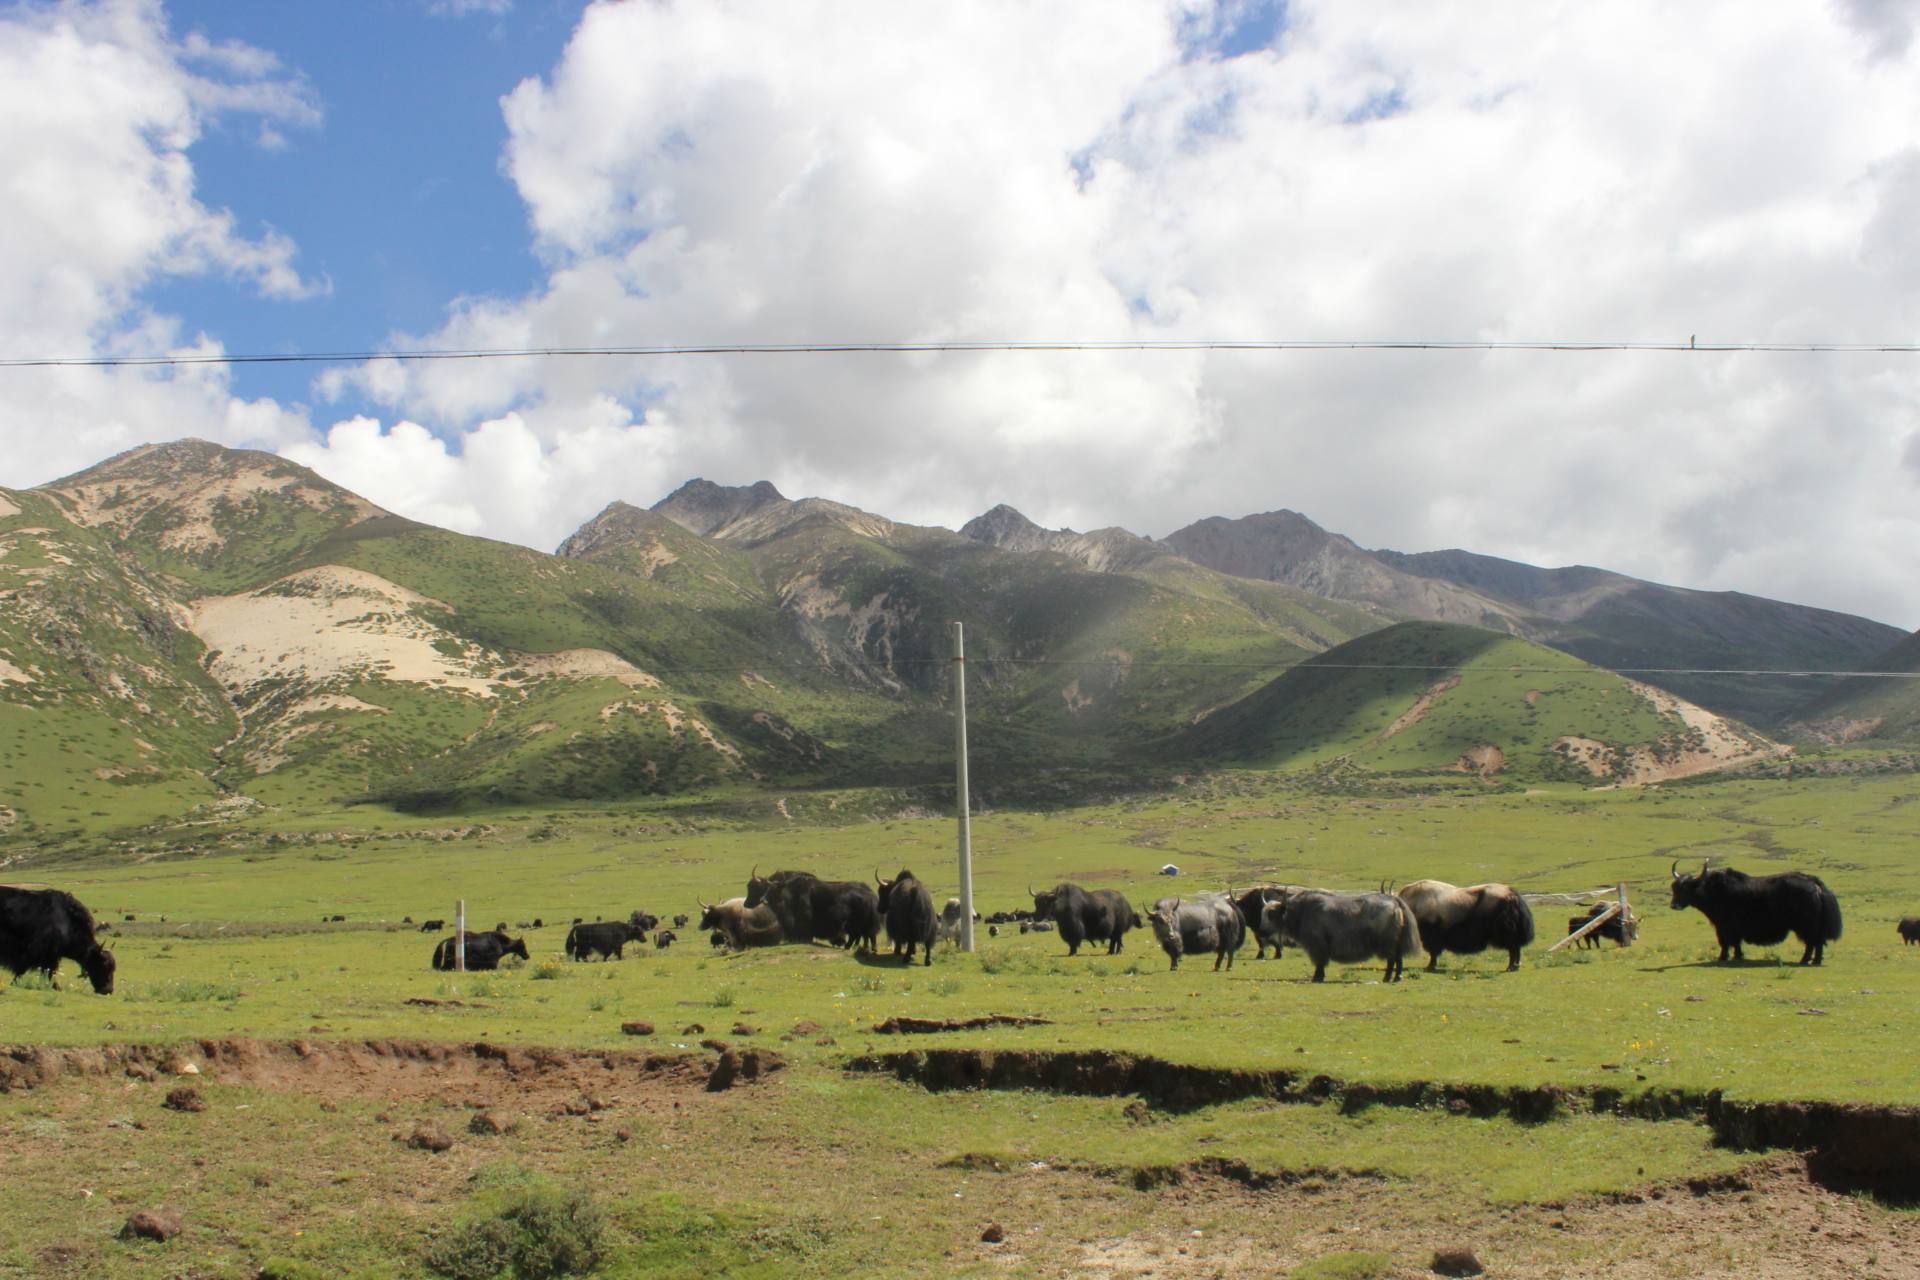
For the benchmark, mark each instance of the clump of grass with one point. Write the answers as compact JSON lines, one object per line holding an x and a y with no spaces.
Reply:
{"x":549,"y":970}
{"x":536,"y":1231}
{"x":722,"y":998}
{"x":993,"y":962}
{"x":943,"y":986}
{"x":872,"y":986}
{"x":1352,"y":1265}
{"x":189,"y":990}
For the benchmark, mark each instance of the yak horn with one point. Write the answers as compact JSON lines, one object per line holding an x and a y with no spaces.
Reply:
{"x":1030,"y":892}
{"x":1674,"y":870}
{"x":1705,"y":865}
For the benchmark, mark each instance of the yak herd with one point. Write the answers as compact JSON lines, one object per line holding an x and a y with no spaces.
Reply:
{"x":39,"y":928}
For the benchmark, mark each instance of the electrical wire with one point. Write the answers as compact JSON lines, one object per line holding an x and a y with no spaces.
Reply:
{"x":658,"y":350}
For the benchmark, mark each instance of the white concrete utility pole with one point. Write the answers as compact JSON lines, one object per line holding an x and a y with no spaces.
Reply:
{"x":460,"y":936}
{"x":960,"y":786}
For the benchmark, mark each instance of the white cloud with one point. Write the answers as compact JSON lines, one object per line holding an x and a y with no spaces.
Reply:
{"x":98,"y":106}
{"x":786,"y":171}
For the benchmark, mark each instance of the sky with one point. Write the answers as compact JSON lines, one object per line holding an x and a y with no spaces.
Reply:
{"x":390,"y":175}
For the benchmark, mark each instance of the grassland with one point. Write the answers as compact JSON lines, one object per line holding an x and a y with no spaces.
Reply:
{"x":242,"y":951}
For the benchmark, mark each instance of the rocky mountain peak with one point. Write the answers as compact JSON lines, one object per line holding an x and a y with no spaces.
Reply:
{"x":1005,"y":527}
{"x":703,"y":507}
{"x":619,"y":524}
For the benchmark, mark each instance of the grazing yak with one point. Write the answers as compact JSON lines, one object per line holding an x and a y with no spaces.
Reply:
{"x":1622,"y":930}
{"x":644,"y":923}
{"x":432,"y":926}
{"x":1194,"y":926}
{"x":1344,"y":928}
{"x":742,"y":926}
{"x":1087,"y":915}
{"x":1910,"y":929}
{"x":907,"y":908}
{"x":484,"y":950}
{"x":604,"y":940}
{"x":664,"y":939}
{"x":41,"y":927}
{"x":845,"y":913}
{"x":1762,"y":910}
{"x":1468,"y":921}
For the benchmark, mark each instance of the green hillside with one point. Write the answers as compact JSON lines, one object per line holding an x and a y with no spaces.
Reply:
{"x":196,"y":634}
{"x":1425,"y":698}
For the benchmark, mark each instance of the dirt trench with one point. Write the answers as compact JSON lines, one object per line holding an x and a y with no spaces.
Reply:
{"x":1849,"y":1146}
{"x":396,"y":1069}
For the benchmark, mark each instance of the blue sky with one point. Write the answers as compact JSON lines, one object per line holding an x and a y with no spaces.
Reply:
{"x":396,"y":197}
{"x":519,"y":174}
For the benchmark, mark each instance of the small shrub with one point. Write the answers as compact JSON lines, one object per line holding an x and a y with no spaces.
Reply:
{"x":549,"y":970}
{"x":537,"y":1232}
{"x":722,"y":998}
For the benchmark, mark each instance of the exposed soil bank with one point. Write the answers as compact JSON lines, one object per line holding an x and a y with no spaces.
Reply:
{"x":904,"y":1025}
{"x":1851,"y":1144}
{"x":391,"y":1068}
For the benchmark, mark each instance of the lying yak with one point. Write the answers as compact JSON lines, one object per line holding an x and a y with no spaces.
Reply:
{"x":41,"y":927}
{"x":1762,"y":910}
{"x":1344,"y":928}
{"x":1468,"y":921}
{"x":1194,"y":926}
{"x":1087,"y":915}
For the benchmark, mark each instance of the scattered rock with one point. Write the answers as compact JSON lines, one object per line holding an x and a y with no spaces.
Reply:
{"x":153,"y":1224}
{"x":429,"y":1137}
{"x":1455,"y":1262}
{"x":181,"y":1067}
{"x":575,"y":1107}
{"x":693,"y":1029}
{"x":624,"y":1134}
{"x":185,"y":1098}
{"x":637,"y":1028}
{"x":826,"y":1040}
{"x":994,"y":1234}
{"x":141,"y":1071}
{"x":718,"y":1046}
{"x":742,"y":1029}
{"x":805,"y":1027}
{"x":597,"y":1103}
{"x":1137,"y":1112}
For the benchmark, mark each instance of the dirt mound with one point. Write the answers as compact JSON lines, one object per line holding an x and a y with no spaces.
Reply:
{"x":398,"y":1069}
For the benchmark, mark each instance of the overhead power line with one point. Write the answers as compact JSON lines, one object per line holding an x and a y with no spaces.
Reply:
{"x":651,"y":350}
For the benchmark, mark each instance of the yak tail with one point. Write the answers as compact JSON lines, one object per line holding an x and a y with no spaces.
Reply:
{"x":1829,"y":913}
{"x":1410,"y":947}
{"x":1516,"y":921}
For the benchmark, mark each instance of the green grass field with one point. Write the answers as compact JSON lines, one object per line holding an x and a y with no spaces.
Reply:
{"x":242,"y":952}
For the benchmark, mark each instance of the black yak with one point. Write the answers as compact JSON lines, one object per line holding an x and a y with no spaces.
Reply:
{"x":1762,"y":910}
{"x":1087,"y":915}
{"x":908,"y":910}
{"x":41,"y":927}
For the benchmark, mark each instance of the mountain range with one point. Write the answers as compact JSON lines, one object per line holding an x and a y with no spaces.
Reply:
{"x":193,"y":634}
